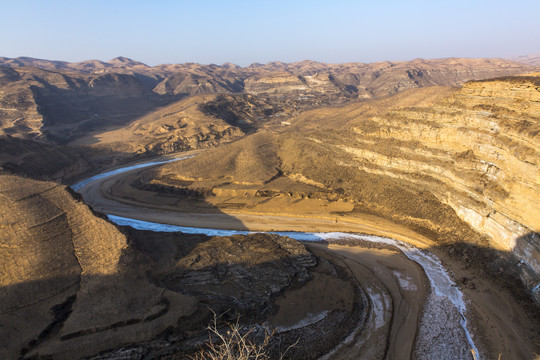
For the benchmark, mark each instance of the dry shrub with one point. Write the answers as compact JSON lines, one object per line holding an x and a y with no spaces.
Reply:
{"x":235,"y":344}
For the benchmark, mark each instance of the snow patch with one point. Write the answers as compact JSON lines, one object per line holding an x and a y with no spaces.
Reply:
{"x":310,"y":319}
{"x":405,"y":282}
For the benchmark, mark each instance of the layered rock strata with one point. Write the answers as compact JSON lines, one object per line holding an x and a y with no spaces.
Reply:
{"x":477,"y":151}
{"x":464,"y":169}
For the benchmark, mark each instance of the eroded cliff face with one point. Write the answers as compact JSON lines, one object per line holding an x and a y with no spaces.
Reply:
{"x":477,"y":151}
{"x":287,"y":83}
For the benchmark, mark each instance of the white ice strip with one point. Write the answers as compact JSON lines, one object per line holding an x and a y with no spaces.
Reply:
{"x":441,"y":282}
{"x":310,"y":319}
{"x":83,"y":183}
{"x":380,"y":303}
{"x":439,"y":279}
{"x":405,"y":282}
{"x":152,"y":226}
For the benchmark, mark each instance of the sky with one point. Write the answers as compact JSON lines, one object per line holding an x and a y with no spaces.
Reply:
{"x":244,"y":32}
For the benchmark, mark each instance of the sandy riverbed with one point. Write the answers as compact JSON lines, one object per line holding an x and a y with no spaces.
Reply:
{"x":499,"y":326}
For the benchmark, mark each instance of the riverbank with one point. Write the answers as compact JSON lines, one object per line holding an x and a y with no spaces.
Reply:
{"x":496,"y":332}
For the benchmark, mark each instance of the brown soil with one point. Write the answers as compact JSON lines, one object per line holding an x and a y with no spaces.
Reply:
{"x":496,"y":333}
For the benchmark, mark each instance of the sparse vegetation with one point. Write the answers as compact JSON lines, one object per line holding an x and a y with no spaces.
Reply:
{"x":235,"y":343}
{"x":232,"y":344}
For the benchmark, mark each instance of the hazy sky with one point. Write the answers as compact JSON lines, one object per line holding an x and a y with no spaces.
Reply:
{"x":244,"y":32}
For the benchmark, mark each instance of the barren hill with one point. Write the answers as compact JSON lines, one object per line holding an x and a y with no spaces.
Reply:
{"x":250,"y":161}
{"x":199,"y":121}
{"x":59,"y":101}
{"x":462,"y":169}
{"x":55,"y":106}
{"x":177,"y":127}
{"x":533,"y":59}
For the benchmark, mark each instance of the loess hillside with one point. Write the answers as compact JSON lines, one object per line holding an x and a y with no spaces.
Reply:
{"x":464,"y":168}
{"x":251,"y":160}
{"x":177,"y":127}
{"x":445,"y":152}
{"x":59,"y":102}
{"x":70,"y":278}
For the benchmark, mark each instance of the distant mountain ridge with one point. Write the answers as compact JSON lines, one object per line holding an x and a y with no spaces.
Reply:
{"x":531,"y":59}
{"x":362,"y":79}
{"x":305,"y":67}
{"x":60,"y":101}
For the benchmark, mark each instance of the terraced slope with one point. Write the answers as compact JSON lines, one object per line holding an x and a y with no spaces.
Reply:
{"x":69,"y":279}
{"x":58,"y":260}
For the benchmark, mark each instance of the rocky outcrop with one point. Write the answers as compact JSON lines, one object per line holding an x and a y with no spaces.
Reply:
{"x":477,"y":152}
{"x":243,"y":275}
{"x":287,"y":83}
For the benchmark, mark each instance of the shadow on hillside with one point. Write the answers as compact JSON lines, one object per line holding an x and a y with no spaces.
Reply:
{"x":502,"y":283}
{"x":70,"y":114}
{"x":515,"y":270}
{"x":230,"y":275}
{"x":166,"y":289}
{"x":64,"y":164}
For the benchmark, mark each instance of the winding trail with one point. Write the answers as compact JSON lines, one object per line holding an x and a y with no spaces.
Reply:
{"x":415,"y":308}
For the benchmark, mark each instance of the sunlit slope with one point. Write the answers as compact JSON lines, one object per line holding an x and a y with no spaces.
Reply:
{"x":251,"y":160}
{"x":462,"y":168}
{"x":176,"y":127}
